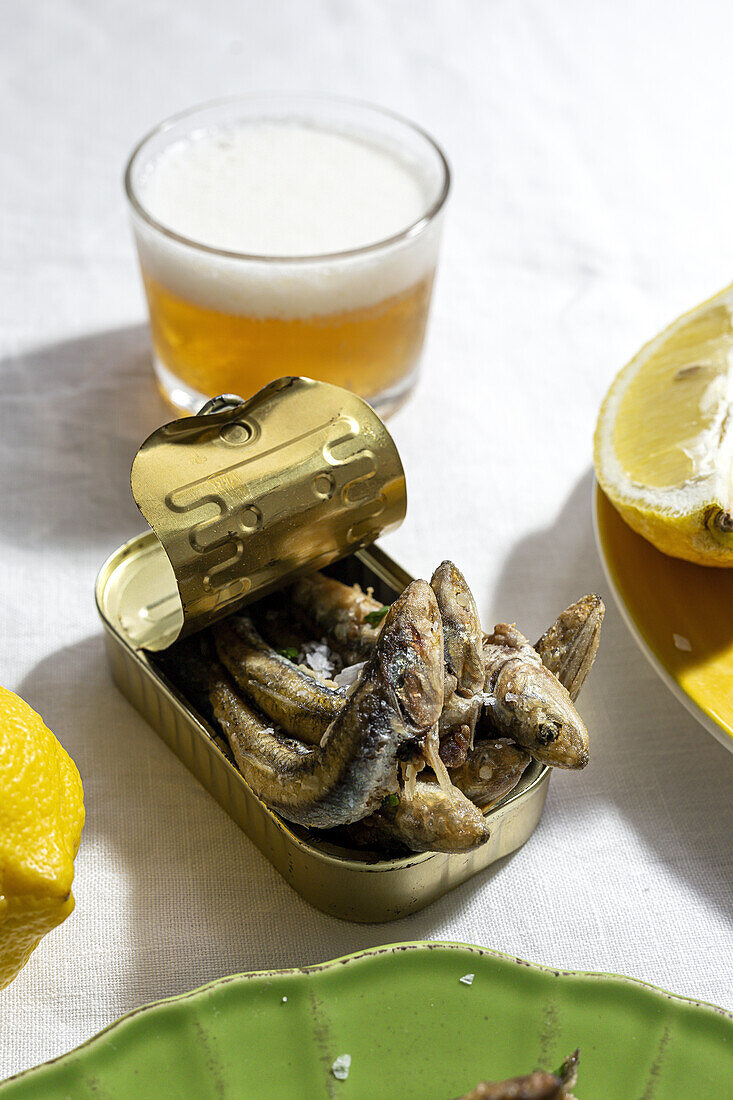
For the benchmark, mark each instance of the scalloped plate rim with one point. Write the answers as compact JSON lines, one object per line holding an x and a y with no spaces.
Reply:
{"x":721,"y":733}
{"x":656,"y":991}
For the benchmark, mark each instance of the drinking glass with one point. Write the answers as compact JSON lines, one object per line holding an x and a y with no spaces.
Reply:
{"x":227,"y":320}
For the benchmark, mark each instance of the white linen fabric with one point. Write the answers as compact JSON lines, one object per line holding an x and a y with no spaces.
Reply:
{"x":592,"y":191}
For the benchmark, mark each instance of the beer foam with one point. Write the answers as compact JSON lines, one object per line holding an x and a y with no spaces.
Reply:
{"x":280,"y":190}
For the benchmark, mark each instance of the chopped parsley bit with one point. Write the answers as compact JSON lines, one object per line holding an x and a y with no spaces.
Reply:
{"x":391,"y":800}
{"x":374,"y":618}
{"x":291,"y":653}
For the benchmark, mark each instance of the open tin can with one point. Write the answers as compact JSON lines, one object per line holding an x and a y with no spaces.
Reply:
{"x":241,"y":499}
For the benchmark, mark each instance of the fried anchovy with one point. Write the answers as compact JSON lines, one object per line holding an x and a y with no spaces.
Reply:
{"x":492,"y":769}
{"x":568,"y":648}
{"x":537,"y":1086}
{"x":297,"y":702}
{"x":464,"y":668}
{"x":435,"y":820}
{"x":430,"y":815}
{"x":430,"y":821}
{"x":396,"y":701}
{"x":340,"y":612}
{"x":527,"y":703}
{"x":568,"y":1072}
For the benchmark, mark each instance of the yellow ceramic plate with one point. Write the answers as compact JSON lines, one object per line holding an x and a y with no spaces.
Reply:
{"x":680,"y":614}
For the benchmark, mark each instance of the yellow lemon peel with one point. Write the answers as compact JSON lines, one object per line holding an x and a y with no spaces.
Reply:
{"x":41,"y":819}
{"x":663,"y":449}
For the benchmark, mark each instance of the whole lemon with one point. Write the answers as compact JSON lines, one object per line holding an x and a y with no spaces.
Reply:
{"x":41,"y":818}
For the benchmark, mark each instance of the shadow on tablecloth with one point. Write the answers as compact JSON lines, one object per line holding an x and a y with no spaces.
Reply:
{"x":654,"y":764}
{"x":72,"y":417}
{"x":170,"y":893}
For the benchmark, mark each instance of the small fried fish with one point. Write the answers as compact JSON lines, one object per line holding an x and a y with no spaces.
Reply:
{"x":493,"y":769}
{"x":464,"y":669}
{"x":528,"y":704}
{"x":537,"y":1086}
{"x":397,"y":700}
{"x":429,"y":820}
{"x":348,"y":617}
{"x":568,"y":648}
{"x":297,"y":702}
{"x":436,"y":820}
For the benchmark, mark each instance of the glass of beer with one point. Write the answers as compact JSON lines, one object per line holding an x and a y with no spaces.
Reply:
{"x":283,"y":235}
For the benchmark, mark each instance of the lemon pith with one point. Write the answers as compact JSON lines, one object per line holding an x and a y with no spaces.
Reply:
{"x":41,"y":818}
{"x":663,"y":448}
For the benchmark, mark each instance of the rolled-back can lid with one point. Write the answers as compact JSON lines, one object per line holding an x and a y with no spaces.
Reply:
{"x":249,"y":494}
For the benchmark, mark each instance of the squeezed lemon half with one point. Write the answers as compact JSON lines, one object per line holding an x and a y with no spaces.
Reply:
{"x":41,"y":818}
{"x":663,"y":449}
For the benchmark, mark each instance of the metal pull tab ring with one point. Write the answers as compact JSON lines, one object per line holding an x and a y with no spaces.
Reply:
{"x":218,"y":404}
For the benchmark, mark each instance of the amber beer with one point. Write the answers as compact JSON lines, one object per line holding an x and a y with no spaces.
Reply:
{"x":369,"y":350}
{"x":273,"y":245}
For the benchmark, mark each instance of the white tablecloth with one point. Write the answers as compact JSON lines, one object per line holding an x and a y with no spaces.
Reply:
{"x":593,"y":169}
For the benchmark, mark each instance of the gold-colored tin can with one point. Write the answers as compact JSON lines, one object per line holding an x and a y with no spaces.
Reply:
{"x":241,"y":498}
{"x":248,"y":494}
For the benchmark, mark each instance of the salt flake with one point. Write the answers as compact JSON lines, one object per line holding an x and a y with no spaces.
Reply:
{"x":682,"y":643}
{"x":467,"y":979}
{"x":340,"y":1068}
{"x":318,"y":657}
{"x":349,"y":675}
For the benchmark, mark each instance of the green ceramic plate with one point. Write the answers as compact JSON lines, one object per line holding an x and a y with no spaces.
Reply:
{"x":412,"y":1028}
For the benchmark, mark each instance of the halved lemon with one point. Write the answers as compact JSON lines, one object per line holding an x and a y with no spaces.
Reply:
{"x":664,"y":439}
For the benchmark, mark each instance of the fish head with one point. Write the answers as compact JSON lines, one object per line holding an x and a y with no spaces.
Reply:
{"x":409,"y":656}
{"x":541,"y":708}
{"x":497,"y":754}
{"x":461,"y":627}
{"x":578,"y":627}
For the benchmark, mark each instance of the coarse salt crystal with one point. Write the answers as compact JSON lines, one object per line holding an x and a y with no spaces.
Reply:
{"x":340,"y":1068}
{"x":318,"y":657}
{"x":467,"y":979}
{"x":349,"y":675}
{"x":682,"y":643}
{"x":284,"y":1000}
